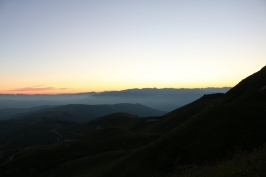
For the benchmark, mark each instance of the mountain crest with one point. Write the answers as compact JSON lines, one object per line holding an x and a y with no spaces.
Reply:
{"x":250,"y":88}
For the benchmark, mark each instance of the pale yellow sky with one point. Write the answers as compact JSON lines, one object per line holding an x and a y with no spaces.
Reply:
{"x":70,"y":46}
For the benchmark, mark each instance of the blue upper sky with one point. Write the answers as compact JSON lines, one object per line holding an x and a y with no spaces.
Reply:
{"x":74,"y":46}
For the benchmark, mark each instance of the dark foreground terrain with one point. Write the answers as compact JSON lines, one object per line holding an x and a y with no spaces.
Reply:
{"x":216,"y":135}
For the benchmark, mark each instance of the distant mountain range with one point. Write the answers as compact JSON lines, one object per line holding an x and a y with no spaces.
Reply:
{"x":166,"y":99}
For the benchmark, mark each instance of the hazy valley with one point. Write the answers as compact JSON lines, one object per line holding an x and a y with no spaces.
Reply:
{"x":166,"y":99}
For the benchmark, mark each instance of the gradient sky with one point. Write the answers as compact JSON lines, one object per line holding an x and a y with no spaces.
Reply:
{"x":56,"y":46}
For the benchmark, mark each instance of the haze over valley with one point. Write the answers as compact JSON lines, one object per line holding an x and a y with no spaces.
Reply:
{"x":162,"y":99}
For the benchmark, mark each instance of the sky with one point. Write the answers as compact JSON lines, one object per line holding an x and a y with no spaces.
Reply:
{"x":66,"y":46}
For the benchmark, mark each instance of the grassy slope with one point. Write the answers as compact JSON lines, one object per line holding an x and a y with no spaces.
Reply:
{"x":243,"y":164}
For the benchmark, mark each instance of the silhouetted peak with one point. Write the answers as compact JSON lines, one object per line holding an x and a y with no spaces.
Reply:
{"x":250,"y":88}
{"x":263,"y":69}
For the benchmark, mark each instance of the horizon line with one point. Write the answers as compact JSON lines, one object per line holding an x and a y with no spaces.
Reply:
{"x":69,"y":93}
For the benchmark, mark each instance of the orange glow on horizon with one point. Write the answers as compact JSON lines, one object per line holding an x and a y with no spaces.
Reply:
{"x":54,"y":91}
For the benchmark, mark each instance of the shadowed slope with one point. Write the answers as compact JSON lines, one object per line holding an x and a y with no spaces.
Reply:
{"x":211,"y":135}
{"x":176,"y":117}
